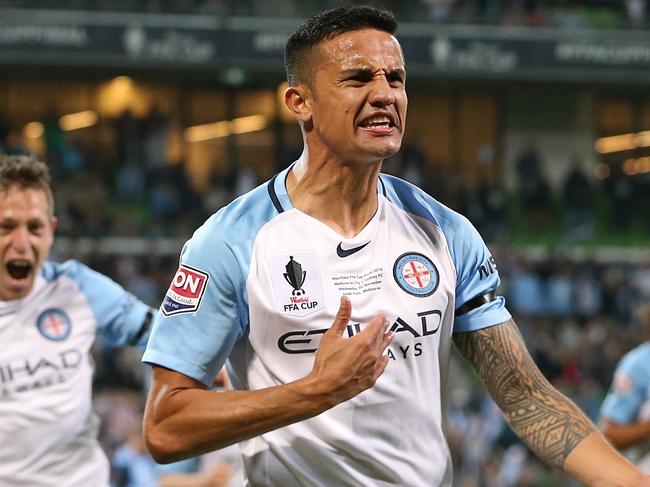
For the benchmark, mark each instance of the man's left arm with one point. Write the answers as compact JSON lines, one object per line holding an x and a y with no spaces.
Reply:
{"x":121,"y":318}
{"x":546,"y":420}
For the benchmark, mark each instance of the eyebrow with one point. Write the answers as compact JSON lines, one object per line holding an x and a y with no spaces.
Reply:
{"x":14,"y":221}
{"x":368,"y":71}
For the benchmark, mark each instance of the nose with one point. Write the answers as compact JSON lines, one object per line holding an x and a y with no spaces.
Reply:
{"x":381,"y":93}
{"x":20,"y":239}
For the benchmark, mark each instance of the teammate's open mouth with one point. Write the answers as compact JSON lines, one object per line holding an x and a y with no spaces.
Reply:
{"x":19,"y":269}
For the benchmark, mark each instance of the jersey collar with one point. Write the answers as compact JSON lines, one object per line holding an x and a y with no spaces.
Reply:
{"x":277,"y":188}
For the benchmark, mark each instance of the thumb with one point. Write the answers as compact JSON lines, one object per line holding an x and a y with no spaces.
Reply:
{"x":342,"y":317}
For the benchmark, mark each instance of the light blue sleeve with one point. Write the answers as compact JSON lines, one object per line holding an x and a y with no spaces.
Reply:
{"x":476,"y":272}
{"x":119,"y":315}
{"x":204,"y":311}
{"x":191,"y":465}
{"x":629,"y":387}
{"x":476,"y":275}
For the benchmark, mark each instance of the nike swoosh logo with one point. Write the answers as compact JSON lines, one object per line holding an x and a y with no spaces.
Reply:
{"x":341,"y":252}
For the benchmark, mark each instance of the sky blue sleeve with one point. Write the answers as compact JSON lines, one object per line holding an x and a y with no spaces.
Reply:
{"x":119,"y":315}
{"x":476,"y":272}
{"x":204,"y":312}
{"x":476,"y":275}
{"x":629,"y":388}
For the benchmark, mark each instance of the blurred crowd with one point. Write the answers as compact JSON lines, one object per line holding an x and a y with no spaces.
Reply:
{"x":562,"y":13}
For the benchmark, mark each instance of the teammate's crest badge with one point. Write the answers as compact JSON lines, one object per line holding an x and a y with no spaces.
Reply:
{"x":296,"y":283}
{"x":185,"y":292}
{"x":416,"y":274}
{"x":54,"y":324}
{"x":623,"y":383}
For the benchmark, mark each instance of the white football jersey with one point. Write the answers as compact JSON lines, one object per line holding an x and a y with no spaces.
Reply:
{"x":260,"y":282}
{"x":628,"y":400}
{"x":47,"y":427}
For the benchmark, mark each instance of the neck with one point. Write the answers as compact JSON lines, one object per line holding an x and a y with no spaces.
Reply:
{"x":343,"y":196}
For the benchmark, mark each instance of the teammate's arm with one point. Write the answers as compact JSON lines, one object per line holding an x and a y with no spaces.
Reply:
{"x":550,"y":424}
{"x":625,"y":435}
{"x":183,"y":419}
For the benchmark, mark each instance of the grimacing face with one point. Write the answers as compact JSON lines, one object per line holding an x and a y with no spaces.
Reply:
{"x":26,"y":236}
{"x":355,"y":97}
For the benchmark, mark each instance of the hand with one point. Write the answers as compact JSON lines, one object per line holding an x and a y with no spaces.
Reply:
{"x":344,"y":367}
{"x":220,"y":475}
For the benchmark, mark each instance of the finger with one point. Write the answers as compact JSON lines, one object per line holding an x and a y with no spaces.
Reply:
{"x":375,"y":329}
{"x":381,"y":365}
{"x":342,"y":317}
{"x":387,"y":339}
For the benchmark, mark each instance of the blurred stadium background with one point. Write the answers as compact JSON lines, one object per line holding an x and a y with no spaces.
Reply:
{"x":531,"y":117}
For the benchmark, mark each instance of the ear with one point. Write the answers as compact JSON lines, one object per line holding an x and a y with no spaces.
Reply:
{"x":53,"y":223}
{"x":298,"y":101}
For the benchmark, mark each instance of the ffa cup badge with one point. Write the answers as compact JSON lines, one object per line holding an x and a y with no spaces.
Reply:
{"x":296,"y":283}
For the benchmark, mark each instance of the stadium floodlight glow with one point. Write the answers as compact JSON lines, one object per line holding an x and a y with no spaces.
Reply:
{"x":122,"y":83}
{"x":79,"y":120}
{"x":602,"y":171}
{"x":615,"y":143}
{"x":632,"y":167}
{"x":216,"y":130}
{"x":34,"y":130}
{"x":629,"y":167}
{"x":251,"y":123}
{"x":618,"y":143}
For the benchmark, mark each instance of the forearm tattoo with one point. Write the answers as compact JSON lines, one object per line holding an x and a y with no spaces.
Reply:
{"x":541,"y":416}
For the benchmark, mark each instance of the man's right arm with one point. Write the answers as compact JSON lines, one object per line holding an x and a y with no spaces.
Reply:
{"x":184,"y":419}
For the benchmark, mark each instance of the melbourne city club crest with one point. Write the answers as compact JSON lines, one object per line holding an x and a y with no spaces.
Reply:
{"x":296,"y":283}
{"x":416,"y":274}
{"x":54,"y":324}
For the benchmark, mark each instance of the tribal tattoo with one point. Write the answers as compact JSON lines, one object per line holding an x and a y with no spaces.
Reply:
{"x":545,"y":419}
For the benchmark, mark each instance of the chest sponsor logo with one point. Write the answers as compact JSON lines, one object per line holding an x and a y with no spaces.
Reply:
{"x":426,"y":324}
{"x":416,"y":274}
{"x":37,"y":372}
{"x":296,"y":283}
{"x":54,"y":324}
{"x":185,"y":292}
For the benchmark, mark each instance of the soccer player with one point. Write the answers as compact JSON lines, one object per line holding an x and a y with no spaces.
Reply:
{"x":625,"y":413}
{"x":334,"y":292}
{"x":49,"y":315}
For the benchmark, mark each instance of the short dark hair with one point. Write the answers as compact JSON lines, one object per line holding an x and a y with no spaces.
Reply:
{"x":26,"y":172}
{"x":328,"y":24}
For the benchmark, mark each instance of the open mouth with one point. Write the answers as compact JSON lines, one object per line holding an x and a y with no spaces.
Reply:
{"x":19,"y":269}
{"x":378,"y":121}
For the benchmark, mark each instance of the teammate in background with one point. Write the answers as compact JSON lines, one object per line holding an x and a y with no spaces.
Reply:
{"x":625,"y":413}
{"x":49,"y":315}
{"x":334,"y":293}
